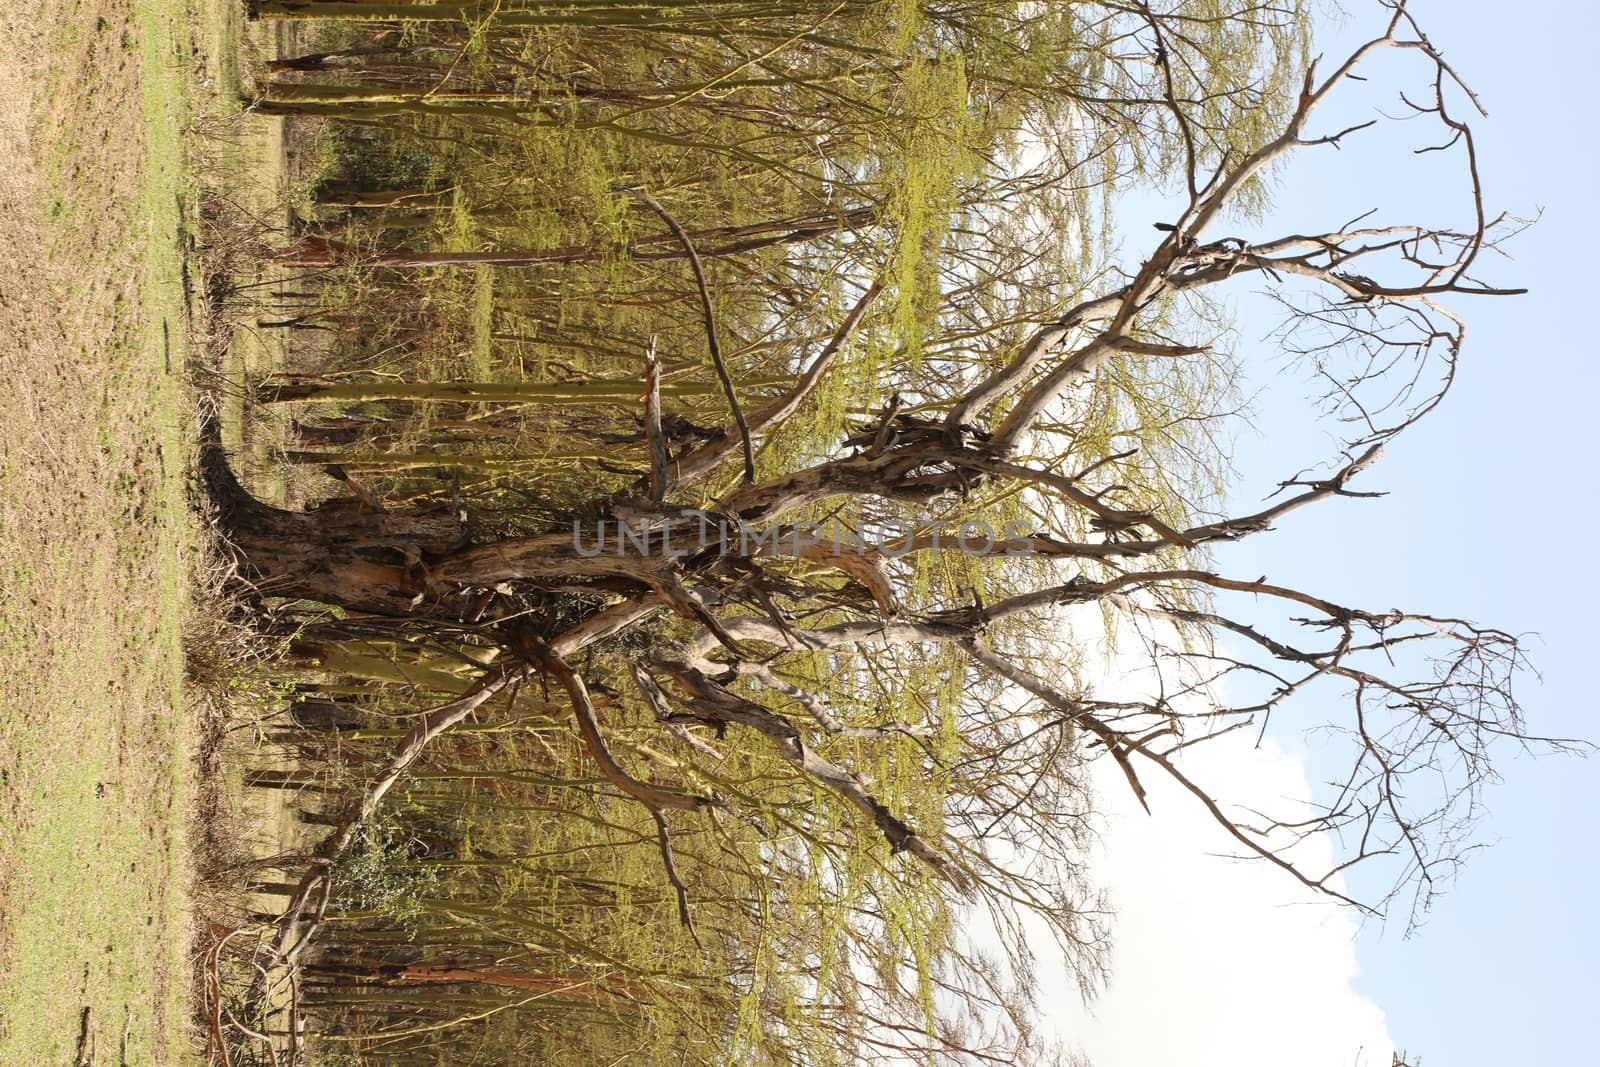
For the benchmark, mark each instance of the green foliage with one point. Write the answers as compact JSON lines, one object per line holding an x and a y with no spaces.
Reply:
{"x":966,"y":145}
{"x":926,"y":166}
{"x":385,"y":871}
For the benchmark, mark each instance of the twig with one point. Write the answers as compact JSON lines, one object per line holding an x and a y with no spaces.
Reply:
{"x":664,"y":840}
{"x":652,"y":425}
{"x":652,"y":797}
{"x":658,"y":704}
{"x":711,"y":326}
{"x":656,"y":799}
{"x":705,"y":459}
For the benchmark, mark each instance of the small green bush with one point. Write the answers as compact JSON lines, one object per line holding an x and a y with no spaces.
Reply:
{"x":383,"y":871}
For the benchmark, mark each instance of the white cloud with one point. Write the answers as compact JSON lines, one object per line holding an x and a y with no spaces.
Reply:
{"x":1217,"y":961}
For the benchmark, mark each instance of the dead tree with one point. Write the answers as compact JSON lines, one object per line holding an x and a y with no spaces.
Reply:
{"x":733,"y":613}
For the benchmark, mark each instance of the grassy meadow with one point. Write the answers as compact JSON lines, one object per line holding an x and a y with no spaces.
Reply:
{"x":98,"y":541}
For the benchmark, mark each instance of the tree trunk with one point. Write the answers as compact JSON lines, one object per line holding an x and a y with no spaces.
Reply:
{"x":582,"y":392}
{"x":341,"y":552}
{"x":344,"y":553}
{"x":417,"y":562}
{"x":715,"y":241}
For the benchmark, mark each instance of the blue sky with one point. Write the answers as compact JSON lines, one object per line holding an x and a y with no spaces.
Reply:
{"x":1491,"y":503}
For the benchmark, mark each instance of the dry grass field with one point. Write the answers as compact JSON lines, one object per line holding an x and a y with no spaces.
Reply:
{"x":96,"y":537}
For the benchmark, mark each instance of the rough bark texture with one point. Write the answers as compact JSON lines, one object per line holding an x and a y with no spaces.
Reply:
{"x":343,"y":552}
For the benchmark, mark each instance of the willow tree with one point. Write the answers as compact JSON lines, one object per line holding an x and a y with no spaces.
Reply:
{"x":883,"y":617}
